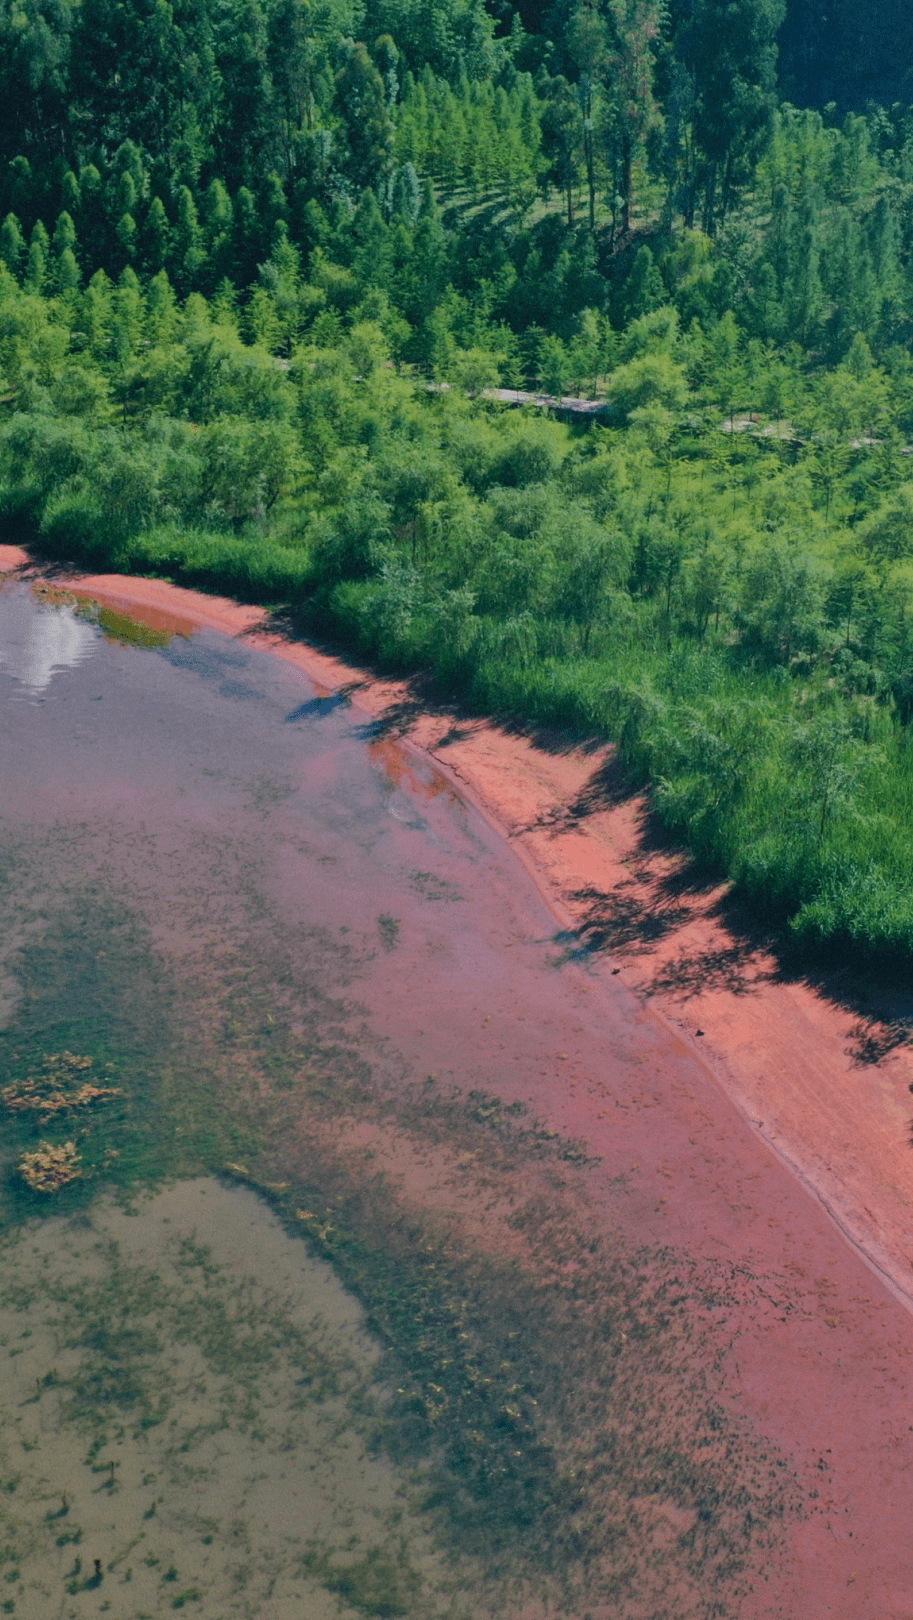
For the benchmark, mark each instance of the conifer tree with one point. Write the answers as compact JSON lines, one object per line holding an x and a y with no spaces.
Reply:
{"x":363,"y":103}
{"x":70,"y":194}
{"x":635,"y":113}
{"x":187,"y":252}
{"x":161,"y":310}
{"x":562,"y":137}
{"x":36,"y":269}
{"x":245,"y":237}
{"x":406,"y":197}
{"x":156,"y":237}
{"x":728,"y":47}
{"x":127,"y":238}
{"x":12,"y":245}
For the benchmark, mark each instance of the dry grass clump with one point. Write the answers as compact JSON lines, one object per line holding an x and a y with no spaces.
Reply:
{"x":58,"y":1091}
{"x":50,"y":1167}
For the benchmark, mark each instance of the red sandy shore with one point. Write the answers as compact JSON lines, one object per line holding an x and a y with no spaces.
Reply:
{"x":818,"y":1075}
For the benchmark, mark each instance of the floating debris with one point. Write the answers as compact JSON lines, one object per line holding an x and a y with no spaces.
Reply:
{"x":50,"y":1167}
{"x":60,"y":1090}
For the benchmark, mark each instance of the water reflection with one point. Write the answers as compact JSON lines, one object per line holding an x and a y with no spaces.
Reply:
{"x":36,"y":645}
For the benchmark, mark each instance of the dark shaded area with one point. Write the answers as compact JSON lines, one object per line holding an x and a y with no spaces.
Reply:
{"x":713,"y":970}
{"x":875,"y":1038}
{"x":839,"y":51}
{"x":619,"y":921}
{"x":646,"y":908}
{"x":314,"y":708}
{"x":393,"y":722}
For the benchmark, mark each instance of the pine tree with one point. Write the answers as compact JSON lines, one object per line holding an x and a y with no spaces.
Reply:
{"x":294,"y":60}
{"x":387,"y":58}
{"x":728,"y":47}
{"x":644,"y":289}
{"x":245,"y":238}
{"x":803,"y":292}
{"x":217,"y":212}
{"x":588,"y":45}
{"x":406,"y":198}
{"x":12,"y":245}
{"x":155,"y":238}
{"x":66,"y":267}
{"x":36,"y":269}
{"x":66,"y":274}
{"x":217,"y":219}
{"x":562,"y":138}
{"x":363,"y":102}
{"x":127,"y":238}
{"x":64,"y":234}
{"x":188,"y":253}
{"x":70,"y":193}
{"x":634,"y":110}
{"x":94,"y":230}
{"x":20,"y":188}
{"x":161,"y":310}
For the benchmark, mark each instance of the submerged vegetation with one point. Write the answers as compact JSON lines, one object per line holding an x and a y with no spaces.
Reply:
{"x":50,"y":1167}
{"x":187,"y":1383}
{"x":62,"y":1089}
{"x":166,"y":1407}
{"x":228,"y":314}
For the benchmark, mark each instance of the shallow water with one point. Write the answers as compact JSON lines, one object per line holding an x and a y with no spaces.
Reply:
{"x":187,"y":1396}
{"x":222,"y":888}
{"x":202,"y":795}
{"x":300,"y":959}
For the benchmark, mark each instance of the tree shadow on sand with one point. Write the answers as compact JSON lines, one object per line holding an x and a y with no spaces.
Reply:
{"x":668,"y":889}
{"x":618,"y":920}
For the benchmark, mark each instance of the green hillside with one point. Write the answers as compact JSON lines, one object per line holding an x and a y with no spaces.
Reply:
{"x":241,"y":239}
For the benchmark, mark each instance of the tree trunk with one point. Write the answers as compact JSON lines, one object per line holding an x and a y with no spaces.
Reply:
{"x":590,"y":175}
{"x":710,"y":200}
{"x":627,"y":186}
{"x":727,"y":188}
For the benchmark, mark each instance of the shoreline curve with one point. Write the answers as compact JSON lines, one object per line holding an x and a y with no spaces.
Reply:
{"x":746,"y":1032}
{"x":819,"y":1363}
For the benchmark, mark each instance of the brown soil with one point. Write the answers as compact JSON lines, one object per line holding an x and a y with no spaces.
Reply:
{"x":771,"y":1130}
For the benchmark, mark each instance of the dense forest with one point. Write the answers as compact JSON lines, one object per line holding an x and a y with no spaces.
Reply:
{"x":834,"y":50}
{"x":266,"y":264}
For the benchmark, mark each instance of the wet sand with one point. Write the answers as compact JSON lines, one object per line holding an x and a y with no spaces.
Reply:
{"x":698,"y":1128}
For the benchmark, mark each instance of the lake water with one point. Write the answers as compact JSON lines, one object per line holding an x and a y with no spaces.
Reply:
{"x":292,"y":958}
